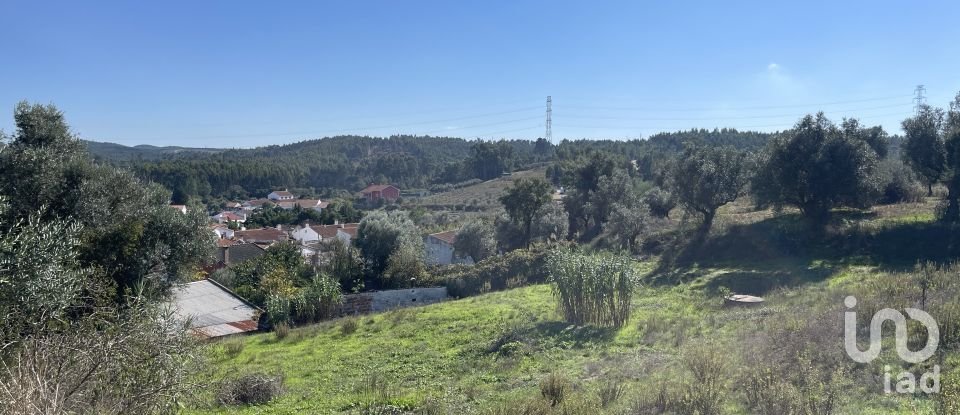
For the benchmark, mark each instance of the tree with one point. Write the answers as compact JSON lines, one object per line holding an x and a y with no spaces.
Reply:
{"x":85,"y":254}
{"x":951,"y":133}
{"x":476,"y":239}
{"x":346,"y":265}
{"x":660,"y":202}
{"x":628,"y":221}
{"x":127,"y":230}
{"x":706,"y":178}
{"x":381,"y":233}
{"x":816,"y":167}
{"x":924,"y":149}
{"x":523,"y":201}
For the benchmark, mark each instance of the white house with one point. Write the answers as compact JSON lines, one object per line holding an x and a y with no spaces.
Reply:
{"x":280,"y":195}
{"x":181,"y":208}
{"x":440,"y":249}
{"x":315,"y":204}
{"x":224,"y":217}
{"x":222,"y":231}
{"x":347,"y":232}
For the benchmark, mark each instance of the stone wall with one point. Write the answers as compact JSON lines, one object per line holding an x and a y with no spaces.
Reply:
{"x":377,"y":301}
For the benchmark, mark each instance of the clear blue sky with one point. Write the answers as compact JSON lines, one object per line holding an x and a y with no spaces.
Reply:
{"x":243,"y":74}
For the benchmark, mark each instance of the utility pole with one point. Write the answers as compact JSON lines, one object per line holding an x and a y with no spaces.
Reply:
{"x":549,"y":133}
{"x":919,"y":99}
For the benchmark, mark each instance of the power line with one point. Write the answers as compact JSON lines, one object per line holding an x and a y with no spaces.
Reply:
{"x":721,"y":117}
{"x":780,"y":125}
{"x":736,"y":108}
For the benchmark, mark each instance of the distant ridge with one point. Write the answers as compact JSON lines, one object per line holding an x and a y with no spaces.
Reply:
{"x":119,"y":152}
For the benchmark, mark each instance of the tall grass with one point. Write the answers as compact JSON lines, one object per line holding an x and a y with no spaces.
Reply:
{"x":592,"y":289}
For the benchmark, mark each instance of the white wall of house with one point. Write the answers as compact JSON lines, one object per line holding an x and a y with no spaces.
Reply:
{"x":305,"y":234}
{"x":223,"y":232}
{"x":439,"y":252}
{"x":343,"y":236}
{"x":277,"y":196}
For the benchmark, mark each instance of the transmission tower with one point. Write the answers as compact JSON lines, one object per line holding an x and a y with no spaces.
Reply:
{"x":919,"y":100}
{"x":549,"y":132}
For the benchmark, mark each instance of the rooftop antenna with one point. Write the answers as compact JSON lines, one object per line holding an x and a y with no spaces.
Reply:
{"x":549,"y":132}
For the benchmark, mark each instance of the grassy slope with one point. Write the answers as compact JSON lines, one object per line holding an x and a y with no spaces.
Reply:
{"x":482,"y":195}
{"x":442,"y":352}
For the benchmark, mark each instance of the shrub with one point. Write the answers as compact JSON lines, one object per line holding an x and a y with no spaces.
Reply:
{"x":349,"y":326}
{"x":610,"y":391}
{"x":281,"y":331}
{"x":899,"y":184}
{"x":252,"y":389}
{"x":660,"y":202}
{"x":514,"y":269}
{"x":233,"y":348}
{"x":553,"y":388}
{"x":592,"y":289}
{"x":704,"y":393}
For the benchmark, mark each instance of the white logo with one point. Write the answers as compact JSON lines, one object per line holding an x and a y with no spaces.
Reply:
{"x":906,"y":381}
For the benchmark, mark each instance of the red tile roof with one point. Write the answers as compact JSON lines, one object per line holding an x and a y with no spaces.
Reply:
{"x":376,"y":188}
{"x":262,"y":234}
{"x":449,"y":236}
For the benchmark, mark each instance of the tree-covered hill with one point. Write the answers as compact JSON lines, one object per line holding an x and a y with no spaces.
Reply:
{"x":334,"y":165}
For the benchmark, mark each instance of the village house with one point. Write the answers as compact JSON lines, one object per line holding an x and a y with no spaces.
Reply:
{"x":262,"y":235}
{"x":280,"y":195}
{"x":233,"y":206}
{"x":254,"y":204}
{"x":213,"y":310}
{"x":225,"y":217}
{"x":376,"y":193}
{"x":222,"y":231}
{"x":440,"y":249}
{"x":233,"y":252}
{"x":347,"y":234}
{"x":315,"y":204}
{"x":181,"y":208}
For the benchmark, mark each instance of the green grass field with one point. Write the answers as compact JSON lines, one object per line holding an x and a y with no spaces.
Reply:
{"x":489,"y":352}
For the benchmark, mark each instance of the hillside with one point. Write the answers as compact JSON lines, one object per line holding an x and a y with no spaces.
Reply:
{"x":121,"y":153}
{"x":489,"y":354}
{"x":480,"y":196}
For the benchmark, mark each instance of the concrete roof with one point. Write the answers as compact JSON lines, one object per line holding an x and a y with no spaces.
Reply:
{"x":213,"y":309}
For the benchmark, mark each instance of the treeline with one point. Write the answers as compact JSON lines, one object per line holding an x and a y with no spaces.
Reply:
{"x":334,"y":166}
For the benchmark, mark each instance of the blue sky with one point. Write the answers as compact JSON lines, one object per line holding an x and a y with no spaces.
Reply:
{"x":243,"y":74}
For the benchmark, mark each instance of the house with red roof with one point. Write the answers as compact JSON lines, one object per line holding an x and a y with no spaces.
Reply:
{"x":375,"y":193}
{"x":440,"y":251}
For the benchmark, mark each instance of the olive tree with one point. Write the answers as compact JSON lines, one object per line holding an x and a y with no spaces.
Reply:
{"x":817,"y":167}
{"x":924,"y":149}
{"x":476,"y":239}
{"x":705,"y":178}
{"x":524,"y":201}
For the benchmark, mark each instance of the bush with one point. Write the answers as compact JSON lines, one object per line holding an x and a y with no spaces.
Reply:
{"x":705,"y":391}
{"x":281,"y":331}
{"x":592,"y":289}
{"x":349,"y":326}
{"x":610,"y":391}
{"x":553,"y":388}
{"x":252,"y":389}
{"x":899,"y":184}
{"x":514,"y":269}
{"x":233,"y":348}
{"x":660,"y":202}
